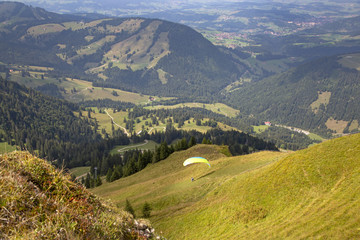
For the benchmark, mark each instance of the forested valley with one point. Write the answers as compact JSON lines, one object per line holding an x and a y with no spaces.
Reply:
{"x":59,"y":132}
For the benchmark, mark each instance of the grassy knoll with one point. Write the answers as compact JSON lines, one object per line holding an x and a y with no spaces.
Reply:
{"x":39,"y":202}
{"x":79,"y":171}
{"x":141,"y":146}
{"x":308,"y":194}
{"x":261,"y":128}
{"x":316,"y":137}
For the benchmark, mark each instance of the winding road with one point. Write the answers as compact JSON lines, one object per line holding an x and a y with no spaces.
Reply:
{"x":133,"y":146}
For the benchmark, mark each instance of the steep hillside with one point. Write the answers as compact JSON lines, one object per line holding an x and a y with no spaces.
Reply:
{"x":167,"y":185}
{"x":312,"y":193}
{"x":147,"y":55}
{"x":39,"y":202}
{"x":46,"y":125}
{"x":320,"y":95}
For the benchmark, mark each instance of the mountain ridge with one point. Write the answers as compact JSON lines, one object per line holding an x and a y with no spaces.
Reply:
{"x":148,"y":55}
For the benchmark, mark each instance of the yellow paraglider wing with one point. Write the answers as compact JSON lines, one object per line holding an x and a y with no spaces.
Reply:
{"x":196,"y":160}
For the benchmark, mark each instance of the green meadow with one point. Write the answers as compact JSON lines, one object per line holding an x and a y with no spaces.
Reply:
{"x":308,"y":194}
{"x":104,"y":121}
{"x":147,"y":145}
{"x":79,"y":171}
{"x":219,"y":108}
{"x":77,"y":90}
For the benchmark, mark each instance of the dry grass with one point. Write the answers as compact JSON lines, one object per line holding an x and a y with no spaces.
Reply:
{"x":45,"y":29}
{"x":336,"y":125}
{"x":323,"y":98}
{"x":39,"y":202}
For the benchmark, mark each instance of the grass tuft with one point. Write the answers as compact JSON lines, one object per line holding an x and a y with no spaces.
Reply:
{"x":38,"y":201}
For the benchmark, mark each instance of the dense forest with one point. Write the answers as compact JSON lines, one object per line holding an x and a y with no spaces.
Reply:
{"x":49,"y":127}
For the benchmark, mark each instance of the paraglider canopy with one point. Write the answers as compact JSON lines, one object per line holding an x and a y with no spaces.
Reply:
{"x":196,"y":160}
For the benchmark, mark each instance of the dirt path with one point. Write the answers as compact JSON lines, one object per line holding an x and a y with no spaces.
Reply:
{"x":83,"y":175}
{"x":112,"y":119}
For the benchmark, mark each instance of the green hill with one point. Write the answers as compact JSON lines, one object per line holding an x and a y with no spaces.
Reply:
{"x":39,"y":202}
{"x":312,"y":193}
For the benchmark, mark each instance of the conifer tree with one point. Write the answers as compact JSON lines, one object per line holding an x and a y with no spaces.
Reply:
{"x":88,"y":181}
{"x":192,"y":141}
{"x":108,"y":175}
{"x":146,"y":210}
{"x":129,"y":208}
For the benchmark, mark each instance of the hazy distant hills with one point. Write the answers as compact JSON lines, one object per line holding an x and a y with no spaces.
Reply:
{"x":12,"y":12}
{"x":151,"y":56}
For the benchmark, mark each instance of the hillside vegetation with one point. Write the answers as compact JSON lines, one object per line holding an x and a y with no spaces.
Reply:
{"x":39,"y":202}
{"x":312,"y":193}
{"x":320,"y":95}
{"x":137,"y":54}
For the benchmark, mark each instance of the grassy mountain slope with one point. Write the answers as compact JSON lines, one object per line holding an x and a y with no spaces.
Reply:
{"x":167,"y":185}
{"x":11,"y":12}
{"x":38,"y":202}
{"x":322,"y":94}
{"x":44,"y":124}
{"x":312,"y":193}
{"x":147,"y":55}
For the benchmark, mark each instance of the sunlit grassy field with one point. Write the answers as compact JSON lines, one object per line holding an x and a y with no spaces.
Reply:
{"x":148,"y":145}
{"x":309,"y":194}
{"x":83,"y":89}
{"x":79,"y":171}
{"x":167,"y":185}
